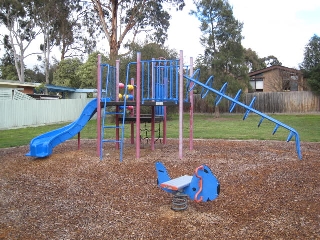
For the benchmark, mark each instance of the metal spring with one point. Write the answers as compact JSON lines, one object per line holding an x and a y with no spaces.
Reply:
{"x":179,"y":202}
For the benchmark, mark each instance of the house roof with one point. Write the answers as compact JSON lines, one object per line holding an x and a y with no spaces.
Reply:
{"x":273,"y":68}
{"x":53,"y":88}
{"x":17,"y":83}
{"x":50,"y":87}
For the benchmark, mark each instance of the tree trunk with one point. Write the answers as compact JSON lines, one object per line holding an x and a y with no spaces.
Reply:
{"x":63,"y":50}
{"x":216,"y":112}
{"x":16,"y":57}
{"x":114,"y":46}
{"x":21,"y":67}
{"x":46,"y":58}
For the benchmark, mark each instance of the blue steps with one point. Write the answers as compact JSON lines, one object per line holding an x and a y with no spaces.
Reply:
{"x":109,"y":72}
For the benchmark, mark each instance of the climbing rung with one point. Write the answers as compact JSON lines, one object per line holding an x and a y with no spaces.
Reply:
{"x":112,"y":126}
{"x":290,"y":136}
{"x":208,"y":84}
{"x":260,"y":121}
{"x":249,"y":110}
{"x":222,"y":91}
{"x":236,"y":98}
{"x":113,"y":141}
{"x":114,"y":113}
{"x":275,"y":129}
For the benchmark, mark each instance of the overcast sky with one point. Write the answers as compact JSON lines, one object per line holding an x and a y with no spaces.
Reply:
{"x":275,"y":27}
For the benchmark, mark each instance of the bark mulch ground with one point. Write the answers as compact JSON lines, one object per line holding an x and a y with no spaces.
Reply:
{"x":266,"y":192}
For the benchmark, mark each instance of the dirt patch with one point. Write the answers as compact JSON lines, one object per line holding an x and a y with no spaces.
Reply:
{"x":266,"y":192}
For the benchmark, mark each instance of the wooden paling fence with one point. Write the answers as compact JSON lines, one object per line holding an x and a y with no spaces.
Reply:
{"x":23,"y":113}
{"x":271,"y":102}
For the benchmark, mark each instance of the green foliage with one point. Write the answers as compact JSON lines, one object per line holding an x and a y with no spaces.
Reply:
{"x":253,"y":61}
{"x":311,"y":54}
{"x":228,"y":126}
{"x":17,"y":17}
{"x":8,"y":72}
{"x":224,"y":56}
{"x":311,"y":63}
{"x":122,"y":21}
{"x":271,"y":61}
{"x":40,"y":89}
{"x":34,"y":75}
{"x":152,"y":50}
{"x":66,"y":73}
{"x":313,"y":77}
{"x":10,"y":10}
{"x":7,"y":68}
{"x":69,"y":35}
{"x":148,"y":51}
{"x":87,"y":72}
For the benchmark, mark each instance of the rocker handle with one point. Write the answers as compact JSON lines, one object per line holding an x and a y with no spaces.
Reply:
{"x":200,"y":184}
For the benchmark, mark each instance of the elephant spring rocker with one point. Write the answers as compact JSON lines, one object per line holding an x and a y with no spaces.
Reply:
{"x":203,"y":186}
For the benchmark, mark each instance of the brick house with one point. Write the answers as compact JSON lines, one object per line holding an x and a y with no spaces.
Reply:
{"x":276,"y":79}
{"x":26,"y":87}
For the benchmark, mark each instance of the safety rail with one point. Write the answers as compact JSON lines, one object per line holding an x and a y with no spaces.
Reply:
{"x":159,"y":79}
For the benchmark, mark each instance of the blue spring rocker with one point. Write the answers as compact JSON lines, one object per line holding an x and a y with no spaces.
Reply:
{"x":202,"y":186}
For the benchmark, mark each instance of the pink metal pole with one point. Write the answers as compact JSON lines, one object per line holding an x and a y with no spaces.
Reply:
{"x":164,"y":125}
{"x":153,"y":95}
{"x":117,"y":128}
{"x":117,"y":99}
{"x":78,"y":140}
{"x":117,"y":79}
{"x":98,"y":106}
{"x":132,"y":114}
{"x":191,"y":107}
{"x":180,"y":104}
{"x":138,"y":99}
{"x":152,"y":127}
{"x":132,"y":132}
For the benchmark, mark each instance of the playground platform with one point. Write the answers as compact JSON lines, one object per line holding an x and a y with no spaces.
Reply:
{"x":145,"y":103}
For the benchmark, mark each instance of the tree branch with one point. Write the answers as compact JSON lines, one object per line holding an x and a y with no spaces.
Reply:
{"x":98,"y":7}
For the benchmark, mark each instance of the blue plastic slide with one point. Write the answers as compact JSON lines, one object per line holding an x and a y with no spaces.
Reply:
{"x":43,"y":145}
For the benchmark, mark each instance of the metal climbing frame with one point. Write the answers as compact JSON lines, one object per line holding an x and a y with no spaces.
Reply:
{"x":109,"y":94}
{"x":159,"y":79}
{"x":221,"y":94}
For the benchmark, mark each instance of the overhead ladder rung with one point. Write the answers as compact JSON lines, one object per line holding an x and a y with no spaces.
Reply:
{"x":222,"y":91}
{"x":234,"y":103}
{"x":275,"y":129}
{"x":260,"y":121}
{"x":290,"y":136}
{"x":249,"y":108}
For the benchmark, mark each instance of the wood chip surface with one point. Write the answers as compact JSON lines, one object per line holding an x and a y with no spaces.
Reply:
{"x":266,"y":192}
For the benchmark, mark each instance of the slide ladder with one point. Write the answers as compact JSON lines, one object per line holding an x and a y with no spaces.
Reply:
{"x":110,"y":126}
{"x":234,"y":101}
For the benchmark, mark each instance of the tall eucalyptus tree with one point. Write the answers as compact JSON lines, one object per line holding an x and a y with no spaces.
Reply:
{"x":17,"y":17}
{"x":122,"y":20}
{"x":311,"y":63}
{"x":221,"y":38}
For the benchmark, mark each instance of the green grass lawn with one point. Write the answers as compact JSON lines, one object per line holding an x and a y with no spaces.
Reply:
{"x":228,"y":126}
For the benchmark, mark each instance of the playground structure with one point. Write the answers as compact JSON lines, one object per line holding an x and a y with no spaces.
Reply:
{"x":159,"y":83}
{"x":203,"y":186}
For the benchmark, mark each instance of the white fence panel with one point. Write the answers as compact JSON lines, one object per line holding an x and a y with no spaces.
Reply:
{"x":24,"y":113}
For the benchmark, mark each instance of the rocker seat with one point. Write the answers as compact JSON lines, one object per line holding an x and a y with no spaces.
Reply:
{"x":177,"y":183}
